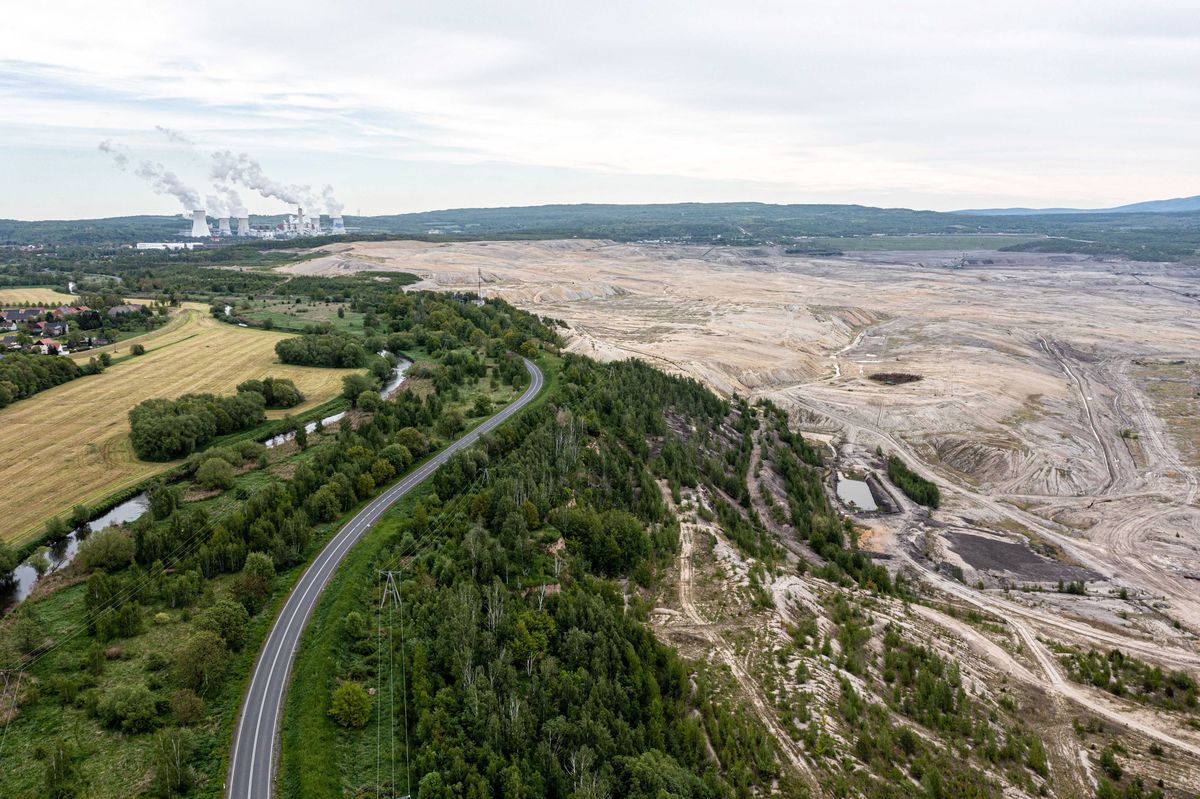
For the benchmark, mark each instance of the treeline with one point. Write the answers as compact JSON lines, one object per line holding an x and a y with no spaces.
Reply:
{"x":917,"y":488}
{"x":333,"y":350}
{"x":163,"y":429}
{"x":23,"y":375}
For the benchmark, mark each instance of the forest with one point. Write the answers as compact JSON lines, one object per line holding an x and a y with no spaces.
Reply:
{"x":162,"y":429}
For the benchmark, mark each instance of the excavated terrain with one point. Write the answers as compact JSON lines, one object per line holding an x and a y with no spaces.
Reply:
{"x":1058,"y":413}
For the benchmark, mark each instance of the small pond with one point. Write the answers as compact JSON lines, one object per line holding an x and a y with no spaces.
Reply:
{"x":855,"y":494}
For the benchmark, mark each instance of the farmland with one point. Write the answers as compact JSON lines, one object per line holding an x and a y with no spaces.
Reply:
{"x":40,"y":295}
{"x":70,"y":445}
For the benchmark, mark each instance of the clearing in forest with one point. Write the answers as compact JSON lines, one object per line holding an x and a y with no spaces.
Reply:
{"x":70,"y":445}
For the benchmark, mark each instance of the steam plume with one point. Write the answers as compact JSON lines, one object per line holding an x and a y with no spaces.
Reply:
{"x":174,"y":135}
{"x":243,"y":169}
{"x":161,"y":179}
{"x":332,"y":206}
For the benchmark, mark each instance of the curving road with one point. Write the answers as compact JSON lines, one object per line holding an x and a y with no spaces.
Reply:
{"x":252,"y":762}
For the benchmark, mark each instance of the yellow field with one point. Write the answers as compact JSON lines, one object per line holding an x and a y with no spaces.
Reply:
{"x":70,"y":445}
{"x":46,"y":296}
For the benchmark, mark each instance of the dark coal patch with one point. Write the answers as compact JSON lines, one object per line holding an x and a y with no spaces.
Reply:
{"x":991,"y":555}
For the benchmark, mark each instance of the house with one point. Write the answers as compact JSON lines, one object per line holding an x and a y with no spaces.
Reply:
{"x":20,"y":315}
{"x":50,"y":347}
{"x":51,"y":329}
{"x":65,"y":311}
{"x":10,"y":343}
{"x":118,"y":310}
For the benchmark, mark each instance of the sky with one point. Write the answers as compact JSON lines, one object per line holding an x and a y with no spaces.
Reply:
{"x":416,"y":105}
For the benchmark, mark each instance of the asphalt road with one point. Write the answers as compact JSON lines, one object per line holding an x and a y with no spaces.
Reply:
{"x":252,"y":762}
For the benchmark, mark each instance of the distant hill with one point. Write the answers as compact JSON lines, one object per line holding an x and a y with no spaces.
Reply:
{"x":1158,"y":231}
{"x":1175,"y":206}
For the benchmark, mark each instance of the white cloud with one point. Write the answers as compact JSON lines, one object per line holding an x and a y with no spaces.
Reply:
{"x":947,"y":103}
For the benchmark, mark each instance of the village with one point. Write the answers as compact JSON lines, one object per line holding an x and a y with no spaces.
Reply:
{"x":70,"y":328}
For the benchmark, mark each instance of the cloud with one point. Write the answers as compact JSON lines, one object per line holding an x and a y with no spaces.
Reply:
{"x":1020,"y":101}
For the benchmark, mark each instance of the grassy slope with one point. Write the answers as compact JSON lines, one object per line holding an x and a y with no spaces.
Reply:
{"x":70,"y":445}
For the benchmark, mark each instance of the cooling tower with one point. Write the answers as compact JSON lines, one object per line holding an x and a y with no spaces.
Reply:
{"x":338,"y":226}
{"x":243,"y":226}
{"x":223,"y":226}
{"x":199,"y":224}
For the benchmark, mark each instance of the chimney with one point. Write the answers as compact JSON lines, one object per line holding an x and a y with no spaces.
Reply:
{"x":299,"y":219}
{"x":223,"y":226}
{"x":199,"y":224}
{"x":243,"y":226}
{"x":315,"y":225}
{"x":338,"y":226}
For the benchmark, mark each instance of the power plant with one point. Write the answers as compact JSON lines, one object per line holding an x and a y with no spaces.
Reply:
{"x":297,"y":225}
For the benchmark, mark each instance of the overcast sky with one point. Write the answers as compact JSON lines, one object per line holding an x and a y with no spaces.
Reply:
{"x":414,"y":105}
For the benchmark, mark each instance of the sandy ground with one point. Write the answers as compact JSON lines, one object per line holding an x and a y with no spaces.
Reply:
{"x":1059,"y":406}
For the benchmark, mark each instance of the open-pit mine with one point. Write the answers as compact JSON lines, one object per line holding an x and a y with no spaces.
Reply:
{"x":1054,"y":400}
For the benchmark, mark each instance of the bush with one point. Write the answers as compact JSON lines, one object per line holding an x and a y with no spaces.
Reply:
{"x":110,"y":550}
{"x":130,"y":708}
{"x":350,"y":705}
{"x":186,"y":706}
{"x":137,"y":349}
{"x":215,"y":473}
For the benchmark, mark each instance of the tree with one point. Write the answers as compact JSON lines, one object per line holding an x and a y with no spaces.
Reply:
{"x":8,"y":562}
{"x":137,"y":349}
{"x":110,"y":549}
{"x":354,"y":385}
{"x":215,"y":473}
{"x":80,"y":515}
{"x":252,"y":585}
{"x":350,"y":705}
{"x":227,"y":619}
{"x":57,"y":531}
{"x":28,"y":634}
{"x":63,"y":779}
{"x":201,"y":662}
{"x":173,"y":773}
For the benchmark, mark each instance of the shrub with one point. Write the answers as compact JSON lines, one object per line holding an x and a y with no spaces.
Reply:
{"x":130,"y":708}
{"x":350,"y":705}
{"x":186,"y":706}
{"x":215,"y":473}
{"x":137,"y":349}
{"x":109,"y":549}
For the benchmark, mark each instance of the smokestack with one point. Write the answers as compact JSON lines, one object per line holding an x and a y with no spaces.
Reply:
{"x":315,"y":227}
{"x":338,"y":226}
{"x":299,"y":219}
{"x":243,"y":226}
{"x":223,"y":226}
{"x":199,"y":224}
